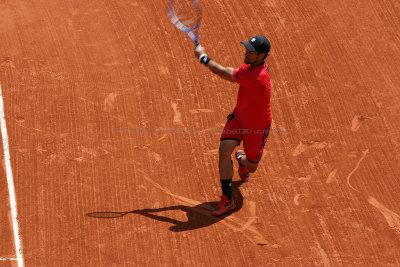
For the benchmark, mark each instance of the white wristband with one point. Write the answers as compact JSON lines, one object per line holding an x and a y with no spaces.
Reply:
{"x":202,"y":56}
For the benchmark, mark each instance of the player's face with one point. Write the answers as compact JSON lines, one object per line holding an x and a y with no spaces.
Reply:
{"x":253,"y":57}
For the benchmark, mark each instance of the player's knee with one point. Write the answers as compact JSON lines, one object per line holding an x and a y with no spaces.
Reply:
{"x":225,"y":149}
{"x":251,"y":167}
{"x":224,"y":152}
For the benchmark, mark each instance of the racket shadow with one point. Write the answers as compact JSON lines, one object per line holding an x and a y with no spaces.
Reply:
{"x":198,"y":216}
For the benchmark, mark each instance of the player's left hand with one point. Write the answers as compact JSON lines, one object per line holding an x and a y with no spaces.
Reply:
{"x":199,"y":50}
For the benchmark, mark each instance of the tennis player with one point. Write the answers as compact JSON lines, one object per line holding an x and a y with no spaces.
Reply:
{"x":250,"y":120}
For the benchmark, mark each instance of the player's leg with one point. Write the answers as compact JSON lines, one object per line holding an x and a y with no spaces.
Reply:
{"x":244,"y":174}
{"x":250,"y":166}
{"x":253,"y":144}
{"x":230,"y":139}
{"x":226,"y":149}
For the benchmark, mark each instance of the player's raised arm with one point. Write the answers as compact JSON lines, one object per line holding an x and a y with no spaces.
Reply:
{"x":224,"y":72}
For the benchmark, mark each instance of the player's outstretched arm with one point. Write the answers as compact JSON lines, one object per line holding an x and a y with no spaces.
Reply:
{"x":224,"y":72}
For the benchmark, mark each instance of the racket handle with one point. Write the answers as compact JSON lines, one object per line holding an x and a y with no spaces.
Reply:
{"x":200,"y":50}
{"x":193,"y":37}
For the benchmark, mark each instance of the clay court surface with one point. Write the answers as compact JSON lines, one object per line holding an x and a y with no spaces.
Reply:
{"x":110,"y":115}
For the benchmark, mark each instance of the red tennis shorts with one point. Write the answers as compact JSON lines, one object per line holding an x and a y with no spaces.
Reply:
{"x":253,"y":140}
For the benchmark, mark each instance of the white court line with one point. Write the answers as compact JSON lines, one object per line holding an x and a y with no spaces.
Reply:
{"x":10,"y":182}
{"x":8,"y":259}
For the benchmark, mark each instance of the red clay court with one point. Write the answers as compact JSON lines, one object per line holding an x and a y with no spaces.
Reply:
{"x":113,"y":132}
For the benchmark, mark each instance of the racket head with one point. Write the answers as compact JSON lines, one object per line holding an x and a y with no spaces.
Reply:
{"x":186,"y":16}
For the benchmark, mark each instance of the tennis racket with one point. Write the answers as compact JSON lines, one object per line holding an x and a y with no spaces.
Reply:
{"x":186,"y":16}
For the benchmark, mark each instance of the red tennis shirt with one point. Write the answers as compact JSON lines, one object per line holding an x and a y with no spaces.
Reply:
{"x":253,"y":106}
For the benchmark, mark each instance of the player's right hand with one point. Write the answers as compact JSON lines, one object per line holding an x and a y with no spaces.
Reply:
{"x":199,"y":50}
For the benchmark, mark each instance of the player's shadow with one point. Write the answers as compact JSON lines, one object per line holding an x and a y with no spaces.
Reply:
{"x":198,"y":216}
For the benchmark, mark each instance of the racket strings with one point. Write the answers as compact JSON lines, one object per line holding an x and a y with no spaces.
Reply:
{"x":185,"y":14}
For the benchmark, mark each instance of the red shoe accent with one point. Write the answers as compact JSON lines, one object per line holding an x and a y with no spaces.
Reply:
{"x":243,"y":172}
{"x":224,"y":205}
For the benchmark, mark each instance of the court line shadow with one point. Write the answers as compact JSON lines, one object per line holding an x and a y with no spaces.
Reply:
{"x":198,"y":216}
